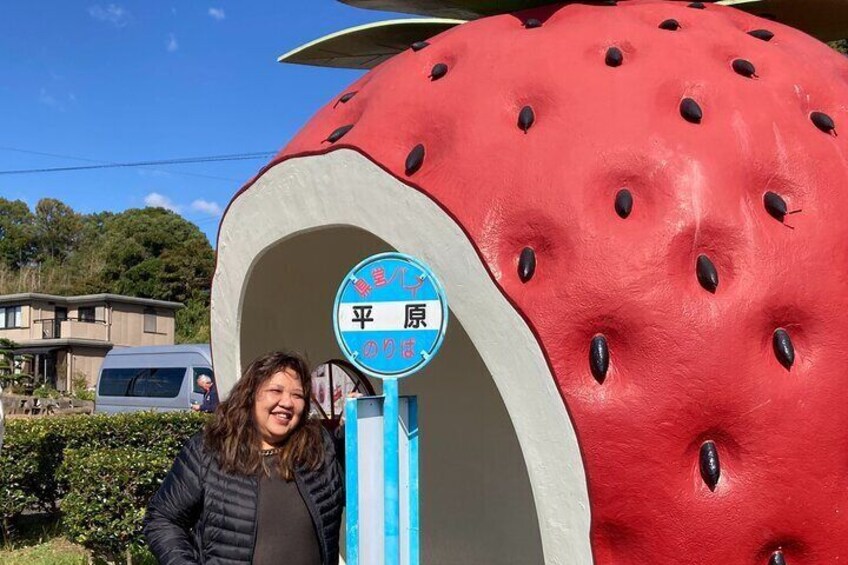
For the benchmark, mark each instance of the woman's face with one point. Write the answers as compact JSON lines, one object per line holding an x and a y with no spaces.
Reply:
{"x":279,"y":407}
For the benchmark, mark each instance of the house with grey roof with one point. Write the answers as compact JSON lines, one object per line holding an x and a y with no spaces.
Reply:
{"x":67,"y":336}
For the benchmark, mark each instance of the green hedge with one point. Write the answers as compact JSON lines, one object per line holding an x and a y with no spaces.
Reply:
{"x":35,"y":449}
{"x":108,"y":490}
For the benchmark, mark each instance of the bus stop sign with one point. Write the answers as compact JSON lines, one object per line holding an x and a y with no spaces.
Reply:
{"x":390,"y":315}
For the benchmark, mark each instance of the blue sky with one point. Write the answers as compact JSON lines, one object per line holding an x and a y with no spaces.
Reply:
{"x":134,"y":81}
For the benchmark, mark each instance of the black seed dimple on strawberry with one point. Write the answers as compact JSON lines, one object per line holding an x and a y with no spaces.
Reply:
{"x":775,"y":205}
{"x":532,"y":23}
{"x":339,"y":133}
{"x":707,"y":273}
{"x":697,"y":5}
{"x":526,"y":264}
{"x":419,"y":45}
{"x":691,"y":111}
{"x":439,"y":70}
{"x":415,"y":159}
{"x":823,"y":122}
{"x":709,"y":464}
{"x":614,"y":57}
{"x":526,"y":118}
{"x":783,"y":348}
{"x":599,"y":358}
{"x":763,"y":34}
{"x":623,"y":203}
{"x":670,"y":25}
{"x":744,"y":68}
{"x":777,"y":558}
{"x":345,"y":98}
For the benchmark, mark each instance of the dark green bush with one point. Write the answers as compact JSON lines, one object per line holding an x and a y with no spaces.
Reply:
{"x":34,"y":449}
{"x":108,"y":491}
{"x":21,"y":466}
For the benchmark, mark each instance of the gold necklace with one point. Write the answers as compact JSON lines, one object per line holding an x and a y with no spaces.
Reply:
{"x":268,"y":452}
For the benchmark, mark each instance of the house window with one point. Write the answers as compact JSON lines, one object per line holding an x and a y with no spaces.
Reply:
{"x":149,"y":320}
{"x":87,"y":314}
{"x":11,"y":317}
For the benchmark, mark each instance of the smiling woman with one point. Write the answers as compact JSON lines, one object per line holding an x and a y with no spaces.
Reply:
{"x":279,"y":407}
{"x":261,"y":440}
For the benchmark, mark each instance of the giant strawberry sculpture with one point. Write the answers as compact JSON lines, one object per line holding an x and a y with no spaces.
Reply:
{"x":660,"y":190}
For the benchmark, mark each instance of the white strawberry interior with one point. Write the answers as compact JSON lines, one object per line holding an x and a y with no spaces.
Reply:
{"x":502,"y":481}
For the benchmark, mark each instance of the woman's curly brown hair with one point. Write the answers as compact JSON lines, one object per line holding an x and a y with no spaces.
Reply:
{"x":232,"y":434}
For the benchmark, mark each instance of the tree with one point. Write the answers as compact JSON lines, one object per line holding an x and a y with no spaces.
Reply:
{"x":193,"y":324}
{"x":7,"y":357}
{"x":155,"y":253}
{"x":57,"y":230}
{"x":10,"y":365}
{"x":17,"y":241}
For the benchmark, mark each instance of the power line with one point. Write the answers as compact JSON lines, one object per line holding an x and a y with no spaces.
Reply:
{"x":182,"y":161}
{"x":204,"y":220}
{"x":43,"y":154}
{"x":102,"y":162}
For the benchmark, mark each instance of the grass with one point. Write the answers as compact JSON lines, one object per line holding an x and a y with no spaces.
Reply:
{"x":37,"y":541}
{"x":56,"y":551}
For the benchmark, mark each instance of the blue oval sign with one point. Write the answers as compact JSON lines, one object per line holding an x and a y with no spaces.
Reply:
{"x":390,"y":315}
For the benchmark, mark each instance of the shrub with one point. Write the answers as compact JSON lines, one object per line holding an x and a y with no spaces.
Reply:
{"x":83,"y":395}
{"x":108,"y":491}
{"x":33,"y":451}
{"x":46,"y":391}
{"x":21,"y":467}
{"x":79,"y":387}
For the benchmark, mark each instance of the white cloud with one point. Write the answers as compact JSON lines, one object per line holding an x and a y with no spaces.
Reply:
{"x":113,"y":14}
{"x":217,"y":14}
{"x":205,"y":207}
{"x":171,"y":45}
{"x":211,"y":208}
{"x":156,"y":200}
{"x":49,"y":100}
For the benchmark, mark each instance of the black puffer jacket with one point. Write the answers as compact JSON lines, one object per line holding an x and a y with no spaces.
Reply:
{"x":201,"y":515}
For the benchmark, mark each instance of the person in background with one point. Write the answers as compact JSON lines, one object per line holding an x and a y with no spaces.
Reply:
{"x":210,"y":395}
{"x":262,"y":484}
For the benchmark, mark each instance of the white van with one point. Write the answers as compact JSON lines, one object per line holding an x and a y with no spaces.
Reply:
{"x":152,"y":378}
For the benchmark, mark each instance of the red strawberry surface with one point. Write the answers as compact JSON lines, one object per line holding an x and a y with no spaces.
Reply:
{"x":697,"y":332}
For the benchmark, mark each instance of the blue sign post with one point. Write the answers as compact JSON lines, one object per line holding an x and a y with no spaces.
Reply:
{"x":390,"y":318}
